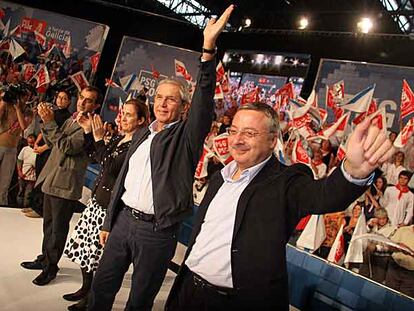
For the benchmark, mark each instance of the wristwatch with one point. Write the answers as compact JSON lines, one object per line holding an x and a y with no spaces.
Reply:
{"x":210,"y":51}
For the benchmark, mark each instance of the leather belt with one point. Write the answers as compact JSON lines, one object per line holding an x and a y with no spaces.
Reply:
{"x":202,"y":283}
{"x":139,"y":215}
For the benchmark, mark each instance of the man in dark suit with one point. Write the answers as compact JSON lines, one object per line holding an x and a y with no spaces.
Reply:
{"x":236,"y":255}
{"x":153,"y":192}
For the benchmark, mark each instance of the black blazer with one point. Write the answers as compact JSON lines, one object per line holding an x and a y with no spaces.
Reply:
{"x":267,"y":213}
{"x":174,"y":156}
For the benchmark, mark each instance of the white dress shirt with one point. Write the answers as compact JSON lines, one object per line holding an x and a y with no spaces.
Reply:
{"x":210,"y":256}
{"x":138,"y":182}
{"x":400,"y":211}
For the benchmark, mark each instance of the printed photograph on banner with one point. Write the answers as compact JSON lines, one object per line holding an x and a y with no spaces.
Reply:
{"x":140,"y":66}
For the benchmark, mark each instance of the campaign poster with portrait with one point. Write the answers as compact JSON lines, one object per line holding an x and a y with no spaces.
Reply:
{"x":140,"y":66}
{"x":357,"y":76}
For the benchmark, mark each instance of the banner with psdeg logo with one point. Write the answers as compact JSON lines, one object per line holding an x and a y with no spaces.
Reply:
{"x":358,"y":76}
{"x":139,"y":67}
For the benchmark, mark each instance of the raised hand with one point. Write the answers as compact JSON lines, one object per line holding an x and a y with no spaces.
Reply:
{"x":45,"y":112}
{"x":85,"y":121}
{"x":214,"y":27}
{"x":368,"y":147}
{"x":98,"y":128}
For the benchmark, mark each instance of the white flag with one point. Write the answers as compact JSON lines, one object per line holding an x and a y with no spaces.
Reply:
{"x":337,"y":252}
{"x":15,"y":49}
{"x":313,"y":235}
{"x":361,"y":101}
{"x":356,"y":247}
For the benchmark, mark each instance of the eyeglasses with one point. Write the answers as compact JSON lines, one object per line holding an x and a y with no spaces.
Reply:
{"x":245,"y":132}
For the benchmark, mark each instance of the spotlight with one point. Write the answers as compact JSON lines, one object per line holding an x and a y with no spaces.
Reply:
{"x":295,"y":62}
{"x":266,"y":61}
{"x":303,"y":23}
{"x":259,"y":58}
{"x":278,"y":60}
{"x":246,"y":23}
{"x":241,"y":59}
{"x":365,"y":25}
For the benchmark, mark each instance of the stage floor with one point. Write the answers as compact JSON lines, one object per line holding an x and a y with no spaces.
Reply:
{"x":20,"y":240}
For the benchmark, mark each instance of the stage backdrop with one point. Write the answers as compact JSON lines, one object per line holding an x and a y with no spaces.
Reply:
{"x":142,"y":64}
{"x":37,"y":31}
{"x":359,"y":75}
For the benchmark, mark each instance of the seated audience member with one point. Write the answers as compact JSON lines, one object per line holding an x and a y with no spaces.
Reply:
{"x":376,"y":255}
{"x":392,"y":170}
{"x":12,"y":124}
{"x":26,"y":162}
{"x":83,"y":246}
{"x":400,"y":273}
{"x":351,"y":221}
{"x":398,"y":200}
{"x":373,"y":195}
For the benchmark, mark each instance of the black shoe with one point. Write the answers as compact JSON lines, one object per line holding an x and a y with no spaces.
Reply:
{"x":32,"y":265}
{"x":78,"y":295}
{"x":45,"y":277}
{"x":80,"y":306}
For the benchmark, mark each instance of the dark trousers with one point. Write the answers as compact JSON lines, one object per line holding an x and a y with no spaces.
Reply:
{"x":57,"y":213}
{"x":189,"y":294}
{"x":25,"y":191}
{"x":133,"y":241}
{"x":400,"y":279}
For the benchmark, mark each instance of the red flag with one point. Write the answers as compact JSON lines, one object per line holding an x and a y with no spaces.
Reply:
{"x":405,"y":134}
{"x":155,"y":73}
{"x":221,"y":148}
{"x":407,"y":100}
{"x":40,"y":38}
{"x":111,"y":83}
{"x":67,"y":48}
{"x":201,"y":170}
{"x":220,"y":72}
{"x":250,"y":97}
{"x":41,"y":76}
{"x":28,"y":70}
{"x":341,"y":153}
{"x":337,"y":253}
{"x":371,"y":109}
{"x":335,"y":94}
{"x":283,"y":95}
{"x":79,"y":80}
{"x":299,"y":154}
{"x":94,"y":59}
{"x":181,"y":71}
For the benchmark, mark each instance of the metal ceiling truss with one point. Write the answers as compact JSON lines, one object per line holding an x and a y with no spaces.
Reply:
{"x":191,"y":10}
{"x":402,"y":11}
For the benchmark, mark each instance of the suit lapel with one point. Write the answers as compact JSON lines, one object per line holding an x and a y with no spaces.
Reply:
{"x":269,"y":170}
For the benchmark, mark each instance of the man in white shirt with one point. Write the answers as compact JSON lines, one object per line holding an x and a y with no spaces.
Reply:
{"x":26,"y":162}
{"x":398,"y":200}
{"x":236,"y":256}
{"x":153,"y":191}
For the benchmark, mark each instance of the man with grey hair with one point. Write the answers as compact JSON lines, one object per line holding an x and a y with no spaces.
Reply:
{"x":236,"y":257}
{"x":153,"y":192}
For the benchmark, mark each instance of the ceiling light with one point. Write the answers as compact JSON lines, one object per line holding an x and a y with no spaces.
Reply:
{"x":303,"y":23}
{"x":365,"y":25}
